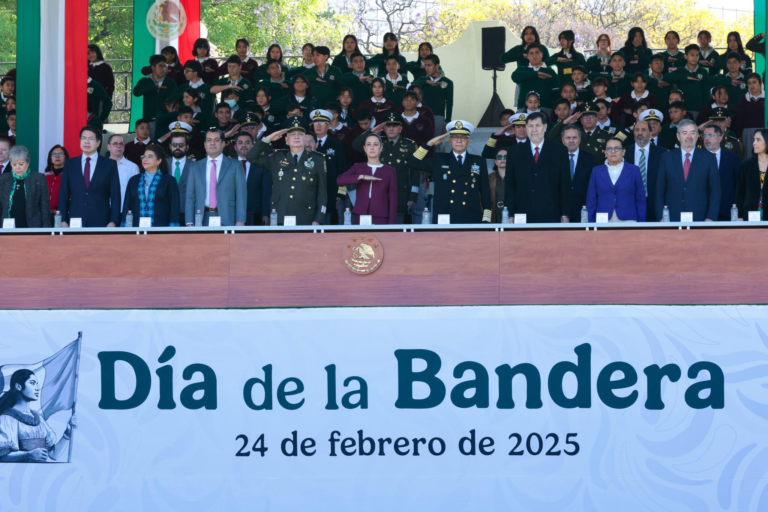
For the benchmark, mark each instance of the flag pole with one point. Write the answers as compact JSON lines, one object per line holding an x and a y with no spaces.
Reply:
{"x":74,"y":402}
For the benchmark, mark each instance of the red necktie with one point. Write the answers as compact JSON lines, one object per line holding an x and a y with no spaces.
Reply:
{"x":687,"y":165}
{"x":536,"y":155}
{"x":244,"y":168}
{"x":87,"y":172}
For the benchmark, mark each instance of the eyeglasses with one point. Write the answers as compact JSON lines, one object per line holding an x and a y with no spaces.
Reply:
{"x":57,"y":154}
{"x":147,"y":156}
{"x":178,"y":144}
{"x":501,"y":157}
{"x":117,"y":143}
{"x":614,"y":150}
{"x":458,"y":137}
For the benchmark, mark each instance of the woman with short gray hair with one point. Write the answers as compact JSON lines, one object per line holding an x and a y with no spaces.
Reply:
{"x":24,"y":194}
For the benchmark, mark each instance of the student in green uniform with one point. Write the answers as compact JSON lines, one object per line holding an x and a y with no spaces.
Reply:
{"x":301,"y":95}
{"x":567,"y":57}
{"x":519,"y":54}
{"x":192,"y":72}
{"x":391,"y":47}
{"x":155,"y":88}
{"x":636,"y":52}
{"x":396,"y":83}
{"x":358,"y":80}
{"x":692,"y":80}
{"x":234,"y":81}
{"x":734,"y":45}
{"x":708,"y":56}
{"x":673,"y":57}
{"x":437,"y":92}
{"x":583,"y":87}
{"x":656,"y":84}
{"x":101,"y":100}
{"x":307,"y":63}
{"x":417,"y":68}
{"x":343,"y":60}
{"x":734,"y":80}
{"x":536,"y":77}
{"x":276,"y":83}
{"x":619,"y":82}
{"x":274,"y":52}
{"x":600,"y":61}
{"x":560,"y":113}
{"x":323,"y":78}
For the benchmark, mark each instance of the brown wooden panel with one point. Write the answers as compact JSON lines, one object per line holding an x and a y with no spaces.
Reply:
{"x":110,"y":293}
{"x":129,"y":256}
{"x":713,"y":266}
{"x":405,"y":254}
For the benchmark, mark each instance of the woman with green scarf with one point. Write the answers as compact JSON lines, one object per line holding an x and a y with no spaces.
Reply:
{"x":24,"y":194}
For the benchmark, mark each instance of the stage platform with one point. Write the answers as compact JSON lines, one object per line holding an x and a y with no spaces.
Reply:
{"x":699,"y":263}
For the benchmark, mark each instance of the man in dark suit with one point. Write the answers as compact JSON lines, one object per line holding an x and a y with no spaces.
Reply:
{"x":728,"y":164}
{"x":258,"y":182}
{"x":180,"y":162}
{"x":647,"y":156}
{"x":335,"y":161}
{"x":90,"y":186}
{"x":689,"y":180}
{"x":538,"y":180}
{"x":462,"y":188}
{"x":580,"y":165}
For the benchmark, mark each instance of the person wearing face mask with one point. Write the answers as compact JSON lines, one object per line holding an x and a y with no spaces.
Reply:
{"x":299,"y":186}
{"x":462,"y":188}
{"x":689,"y":180}
{"x":376,"y":185}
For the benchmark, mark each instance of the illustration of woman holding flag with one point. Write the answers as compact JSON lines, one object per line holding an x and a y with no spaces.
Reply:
{"x":24,"y":434}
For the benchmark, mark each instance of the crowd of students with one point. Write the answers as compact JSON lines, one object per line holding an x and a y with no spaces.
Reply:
{"x":343,"y":98}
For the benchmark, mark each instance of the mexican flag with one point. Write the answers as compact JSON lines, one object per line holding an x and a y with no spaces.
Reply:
{"x":156,"y":24}
{"x":52,"y":75}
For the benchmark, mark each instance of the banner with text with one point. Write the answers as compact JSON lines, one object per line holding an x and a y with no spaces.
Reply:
{"x":540,"y":408}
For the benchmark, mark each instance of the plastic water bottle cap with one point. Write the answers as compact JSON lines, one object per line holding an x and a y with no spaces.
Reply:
{"x":347,"y":209}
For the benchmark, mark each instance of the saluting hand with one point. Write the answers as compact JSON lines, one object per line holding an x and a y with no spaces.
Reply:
{"x":501,"y":130}
{"x":275,"y":136}
{"x":437,"y":140}
{"x":235,"y":129}
{"x":573,"y":118}
{"x":378,"y":128}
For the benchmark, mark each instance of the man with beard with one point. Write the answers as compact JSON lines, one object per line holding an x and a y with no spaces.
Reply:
{"x":647,"y":156}
{"x":180,"y":162}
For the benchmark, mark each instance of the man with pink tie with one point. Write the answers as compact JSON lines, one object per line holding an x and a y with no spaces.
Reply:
{"x":215,"y":187}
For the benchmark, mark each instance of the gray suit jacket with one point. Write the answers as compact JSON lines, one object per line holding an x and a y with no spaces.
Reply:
{"x":38,"y":203}
{"x":184,"y":178}
{"x":231,"y":191}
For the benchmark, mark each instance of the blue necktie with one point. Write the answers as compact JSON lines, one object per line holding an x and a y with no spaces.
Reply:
{"x":573,"y":166}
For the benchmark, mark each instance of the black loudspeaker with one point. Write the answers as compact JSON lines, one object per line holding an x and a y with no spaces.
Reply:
{"x":494,"y":44}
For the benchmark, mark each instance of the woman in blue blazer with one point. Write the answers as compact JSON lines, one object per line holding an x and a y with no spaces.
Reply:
{"x":616,"y":188}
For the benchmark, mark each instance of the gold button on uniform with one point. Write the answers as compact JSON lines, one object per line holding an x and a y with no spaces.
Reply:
{"x":452,"y":191}
{"x":292,"y":187}
{"x":454,"y":181}
{"x":291,"y":197}
{"x":451,"y":201}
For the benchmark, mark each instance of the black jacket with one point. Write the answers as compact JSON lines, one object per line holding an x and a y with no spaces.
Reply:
{"x":540,"y":190}
{"x":38,"y":202}
{"x":652,"y":174}
{"x":167,"y":204}
{"x":748,"y":188}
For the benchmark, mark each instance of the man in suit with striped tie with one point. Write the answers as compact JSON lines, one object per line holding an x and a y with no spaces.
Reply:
{"x":647,"y":156}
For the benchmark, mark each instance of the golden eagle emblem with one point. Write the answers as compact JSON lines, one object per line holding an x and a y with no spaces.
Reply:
{"x":363,"y":254}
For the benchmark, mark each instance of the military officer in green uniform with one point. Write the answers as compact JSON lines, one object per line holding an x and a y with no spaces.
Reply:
{"x":462,"y":187}
{"x":593,"y":139}
{"x":395,"y":153}
{"x":719,"y":117}
{"x":298,"y":176}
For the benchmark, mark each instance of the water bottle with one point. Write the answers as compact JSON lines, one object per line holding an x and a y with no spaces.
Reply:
{"x":505,"y":216}
{"x":199,"y":219}
{"x":57,"y":219}
{"x":426,"y":218}
{"x":129,"y":219}
{"x":273,"y":218}
{"x":347,"y":217}
{"x":665,"y":215}
{"x":734,"y":213}
{"x":584,"y":215}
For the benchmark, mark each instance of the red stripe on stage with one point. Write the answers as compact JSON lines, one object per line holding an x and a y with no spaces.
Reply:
{"x":76,"y":74}
{"x":192,"y":32}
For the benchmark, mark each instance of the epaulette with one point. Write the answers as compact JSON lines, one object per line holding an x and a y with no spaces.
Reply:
{"x":621,"y":136}
{"x":318,"y":153}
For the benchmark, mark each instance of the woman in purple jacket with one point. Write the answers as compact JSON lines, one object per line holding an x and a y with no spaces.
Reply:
{"x":376,"y":185}
{"x":616,"y":188}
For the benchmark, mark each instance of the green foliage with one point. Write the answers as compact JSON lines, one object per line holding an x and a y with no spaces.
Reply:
{"x":110,"y":25}
{"x":7,"y":33}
